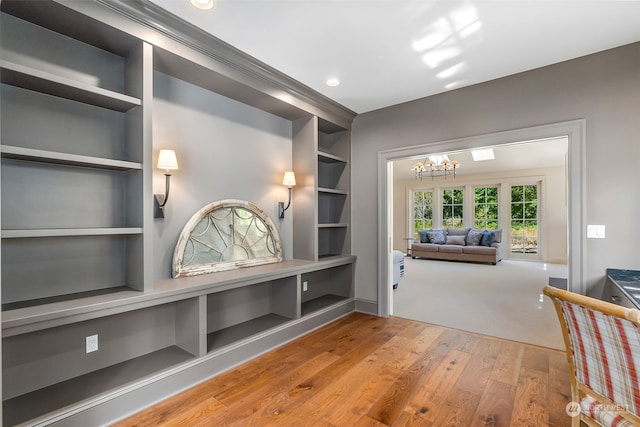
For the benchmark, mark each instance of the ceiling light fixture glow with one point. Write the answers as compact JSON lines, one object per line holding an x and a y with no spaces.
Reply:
{"x":203,"y":4}
{"x":333,"y":82}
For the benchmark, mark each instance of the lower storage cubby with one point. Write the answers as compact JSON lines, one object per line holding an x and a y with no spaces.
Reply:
{"x":324,"y":288}
{"x":239,"y":313}
{"x":47,"y":370}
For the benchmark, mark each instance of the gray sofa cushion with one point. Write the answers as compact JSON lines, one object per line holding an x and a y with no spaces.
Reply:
{"x":426,"y":247}
{"x":458,"y":231}
{"x":451,"y":249}
{"x":479,"y":250}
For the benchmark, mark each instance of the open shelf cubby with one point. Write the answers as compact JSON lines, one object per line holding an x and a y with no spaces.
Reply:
{"x":41,"y":374}
{"x":333,"y":140}
{"x":326,"y":287}
{"x":333,"y":240}
{"x":331,"y":173}
{"x":332,"y":207}
{"x":39,"y":270}
{"x":235,"y":314}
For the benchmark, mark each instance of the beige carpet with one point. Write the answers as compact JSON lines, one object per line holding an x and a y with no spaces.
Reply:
{"x":502,"y":300}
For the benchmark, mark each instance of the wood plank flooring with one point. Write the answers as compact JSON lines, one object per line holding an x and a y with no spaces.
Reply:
{"x":363,"y":370}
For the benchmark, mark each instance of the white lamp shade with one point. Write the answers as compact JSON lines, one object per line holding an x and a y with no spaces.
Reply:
{"x":289,"y":179}
{"x":167,"y":160}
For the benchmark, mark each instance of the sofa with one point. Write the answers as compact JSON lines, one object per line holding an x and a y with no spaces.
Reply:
{"x":459,"y":244}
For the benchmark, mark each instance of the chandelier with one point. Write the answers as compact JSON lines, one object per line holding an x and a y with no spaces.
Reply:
{"x":435,"y":166}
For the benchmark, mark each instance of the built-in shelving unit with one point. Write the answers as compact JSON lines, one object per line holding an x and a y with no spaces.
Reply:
{"x":334,"y":183}
{"x":72,"y":164}
{"x":76,"y":190}
{"x":322,"y":151}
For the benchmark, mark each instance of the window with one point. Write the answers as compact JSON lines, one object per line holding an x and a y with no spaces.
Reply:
{"x":524,"y":219}
{"x":422,"y":211}
{"x":486,"y":208}
{"x":452,"y":207}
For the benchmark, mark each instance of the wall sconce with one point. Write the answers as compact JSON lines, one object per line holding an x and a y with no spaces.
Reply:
{"x":289,"y":180}
{"x":167,"y":161}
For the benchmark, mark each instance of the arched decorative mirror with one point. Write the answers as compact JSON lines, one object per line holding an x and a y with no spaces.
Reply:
{"x":225,"y":235}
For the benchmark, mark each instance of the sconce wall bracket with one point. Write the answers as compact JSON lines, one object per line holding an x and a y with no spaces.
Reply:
{"x":158,"y":206}
{"x":281,"y":207}
{"x":159,"y":201}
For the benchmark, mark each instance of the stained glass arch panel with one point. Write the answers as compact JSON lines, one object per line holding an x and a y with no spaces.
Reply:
{"x":225,"y":235}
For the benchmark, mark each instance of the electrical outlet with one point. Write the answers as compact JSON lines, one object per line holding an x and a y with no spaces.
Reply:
{"x":305,"y":286}
{"x":595,"y":231}
{"x":92,"y":343}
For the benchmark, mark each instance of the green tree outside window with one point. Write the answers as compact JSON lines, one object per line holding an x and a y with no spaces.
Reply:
{"x":452,"y":207}
{"x":524,"y":219}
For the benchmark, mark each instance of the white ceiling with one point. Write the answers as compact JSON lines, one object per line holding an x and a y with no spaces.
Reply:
{"x":387,"y":52}
{"x":509,"y":157}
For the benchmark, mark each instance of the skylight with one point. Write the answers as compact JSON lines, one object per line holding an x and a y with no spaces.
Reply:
{"x":482,"y":154}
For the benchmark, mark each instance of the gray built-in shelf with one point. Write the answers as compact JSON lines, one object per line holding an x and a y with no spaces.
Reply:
{"x":154,"y":332}
{"x":77,"y":242}
{"x":44,"y":156}
{"x":73,"y":162}
{"x":322,"y":150}
{"x":50,"y":84}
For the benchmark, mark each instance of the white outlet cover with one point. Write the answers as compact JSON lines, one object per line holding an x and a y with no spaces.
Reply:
{"x":91,"y":343}
{"x":595,"y":231}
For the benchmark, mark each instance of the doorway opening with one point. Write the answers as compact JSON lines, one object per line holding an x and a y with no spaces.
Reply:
{"x":573,"y":131}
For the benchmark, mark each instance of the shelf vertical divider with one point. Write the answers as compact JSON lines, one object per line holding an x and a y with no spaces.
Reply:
{"x":139,"y":83}
{"x":191,"y":325}
{"x":305,"y":193}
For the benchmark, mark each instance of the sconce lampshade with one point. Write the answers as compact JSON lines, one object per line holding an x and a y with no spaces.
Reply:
{"x":289,"y":179}
{"x":167,"y":160}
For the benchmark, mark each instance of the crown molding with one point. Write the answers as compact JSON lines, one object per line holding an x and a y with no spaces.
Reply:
{"x":152,"y":16}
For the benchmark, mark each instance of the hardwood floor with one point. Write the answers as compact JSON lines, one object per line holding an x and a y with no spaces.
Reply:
{"x":364,"y":370}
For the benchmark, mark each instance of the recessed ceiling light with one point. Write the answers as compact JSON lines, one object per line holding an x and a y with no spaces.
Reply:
{"x":333,"y":82}
{"x":483,"y":154}
{"x":203,"y":4}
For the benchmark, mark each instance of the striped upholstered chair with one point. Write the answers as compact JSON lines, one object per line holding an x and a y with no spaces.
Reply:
{"x":603,"y":350}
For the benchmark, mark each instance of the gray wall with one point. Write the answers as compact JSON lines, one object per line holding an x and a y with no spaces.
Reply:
{"x":603,"y":89}
{"x":225,"y":150}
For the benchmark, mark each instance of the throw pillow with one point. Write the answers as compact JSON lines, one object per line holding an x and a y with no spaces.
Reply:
{"x":474,"y":237}
{"x":424,"y":238}
{"x":437,"y":237}
{"x":458,"y":231}
{"x":455,"y":240}
{"x":488,"y":238}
